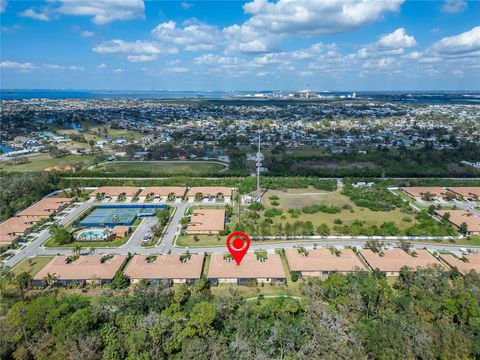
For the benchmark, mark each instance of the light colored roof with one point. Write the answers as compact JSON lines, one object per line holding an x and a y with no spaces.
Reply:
{"x":6,"y":240}
{"x":323,"y":260}
{"x":466,"y":191}
{"x":115,"y":191}
{"x":472,"y":263}
{"x":163,"y":190}
{"x":394,"y":259}
{"x":84,"y":268}
{"x":120,"y":229}
{"x":457,"y":217}
{"x":249,"y":268}
{"x":45,"y":207}
{"x":417,"y":191}
{"x":207,"y":220}
{"x":210,"y":190}
{"x":14,"y":225}
{"x":32,"y":219}
{"x":165,"y":267}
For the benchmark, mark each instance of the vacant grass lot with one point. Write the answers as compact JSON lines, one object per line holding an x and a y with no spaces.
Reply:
{"x":203,"y":240}
{"x":42,"y":161}
{"x":163,"y":167}
{"x":32,"y":265}
{"x":299,"y":198}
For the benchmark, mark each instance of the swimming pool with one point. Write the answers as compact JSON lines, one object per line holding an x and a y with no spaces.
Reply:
{"x":92,"y":235}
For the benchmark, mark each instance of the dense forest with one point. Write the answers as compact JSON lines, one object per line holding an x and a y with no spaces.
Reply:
{"x":19,"y":190}
{"x":401,"y":162}
{"x":430,"y":314}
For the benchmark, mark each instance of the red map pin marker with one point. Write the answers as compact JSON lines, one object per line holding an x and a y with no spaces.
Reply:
{"x":238,"y":243}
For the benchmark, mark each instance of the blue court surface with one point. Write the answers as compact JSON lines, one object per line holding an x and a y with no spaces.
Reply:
{"x":120,"y":215}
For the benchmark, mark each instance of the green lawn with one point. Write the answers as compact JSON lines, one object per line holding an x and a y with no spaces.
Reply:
{"x":163,"y":167}
{"x":299,"y":198}
{"x":87,"y":244}
{"x":42,"y":161}
{"x":204,"y":240}
{"x":32,"y":265}
{"x":472,"y":241}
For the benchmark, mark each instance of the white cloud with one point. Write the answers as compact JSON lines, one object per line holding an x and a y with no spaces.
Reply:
{"x":466,"y":44}
{"x":394,"y":43}
{"x":216,"y":59}
{"x":397,"y":39}
{"x":30,"y":66}
{"x":3,"y":6}
{"x":458,"y":72}
{"x":414,"y":55}
{"x":10,"y":28}
{"x":118,"y":71}
{"x":381,"y":63}
{"x":16,"y":65}
{"x":86,"y":34}
{"x":124,"y":47}
{"x":104,"y":11}
{"x":136,"y":51}
{"x":141,"y":58}
{"x":33,"y":14}
{"x":194,"y":35}
{"x":454,"y":6}
{"x":177,"y":69}
{"x":271,"y":22}
{"x":186,"y":5}
{"x":102,"y":66}
{"x":62,"y":67}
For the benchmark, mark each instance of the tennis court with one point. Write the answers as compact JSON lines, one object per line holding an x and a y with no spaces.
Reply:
{"x":110,"y":217}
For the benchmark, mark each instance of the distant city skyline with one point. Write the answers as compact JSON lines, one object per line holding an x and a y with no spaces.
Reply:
{"x":338,"y":45}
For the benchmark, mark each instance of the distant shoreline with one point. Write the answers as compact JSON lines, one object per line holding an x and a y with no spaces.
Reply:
{"x":467,"y":97}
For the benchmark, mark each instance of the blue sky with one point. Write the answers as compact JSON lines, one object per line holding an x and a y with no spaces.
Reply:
{"x":235,"y":45}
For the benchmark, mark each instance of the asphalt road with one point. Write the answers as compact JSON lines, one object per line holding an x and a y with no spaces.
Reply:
{"x":35,"y":247}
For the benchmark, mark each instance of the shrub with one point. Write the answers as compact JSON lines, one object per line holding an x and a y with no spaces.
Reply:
{"x":256,"y":206}
{"x":269,"y":213}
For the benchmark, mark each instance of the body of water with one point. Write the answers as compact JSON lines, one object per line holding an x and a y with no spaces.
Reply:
{"x":5,"y":149}
{"x":418,"y":97}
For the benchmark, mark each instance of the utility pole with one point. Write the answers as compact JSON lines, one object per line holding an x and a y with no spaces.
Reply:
{"x":259,"y":163}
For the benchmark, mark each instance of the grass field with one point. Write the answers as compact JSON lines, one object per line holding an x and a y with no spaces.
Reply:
{"x":299,"y":198}
{"x":42,"y":161}
{"x":32,"y":265}
{"x":204,"y":240}
{"x":163,"y":167}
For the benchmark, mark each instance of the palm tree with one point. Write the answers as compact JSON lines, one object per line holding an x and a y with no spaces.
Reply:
{"x":91,"y":250}
{"x":77,"y":249}
{"x":50,"y":280}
